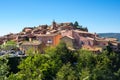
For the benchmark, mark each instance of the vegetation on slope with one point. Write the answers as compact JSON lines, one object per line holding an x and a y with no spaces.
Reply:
{"x":59,"y":63}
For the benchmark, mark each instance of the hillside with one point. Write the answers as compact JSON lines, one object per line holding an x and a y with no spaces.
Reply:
{"x":111,"y":35}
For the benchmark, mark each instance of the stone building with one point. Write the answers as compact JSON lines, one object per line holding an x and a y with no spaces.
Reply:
{"x":70,"y":41}
{"x":49,"y":39}
{"x":34,"y":45}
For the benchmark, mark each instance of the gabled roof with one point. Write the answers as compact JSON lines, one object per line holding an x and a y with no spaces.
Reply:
{"x":68,"y":37}
{"x":79,"y":31}
{"x":47,"y":34}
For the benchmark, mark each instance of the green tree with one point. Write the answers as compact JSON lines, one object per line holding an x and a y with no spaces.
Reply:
{"x":9,"y":45}
{"x":3,"y":68}
{"x":66,"y":73}
{"x":76,"y":24}
{"x":63,"y":52}
{"x":85,"y":64}
{"x":60,"y":63}
{"x":38,"y":67}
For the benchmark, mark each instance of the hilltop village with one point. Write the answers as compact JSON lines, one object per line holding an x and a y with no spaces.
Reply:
{"x":74,"y":35}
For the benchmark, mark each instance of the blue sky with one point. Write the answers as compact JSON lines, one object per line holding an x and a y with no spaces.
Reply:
{"x":98,"y":15}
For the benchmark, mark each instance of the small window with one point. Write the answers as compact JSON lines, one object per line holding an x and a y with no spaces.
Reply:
{"x":49,"y":41}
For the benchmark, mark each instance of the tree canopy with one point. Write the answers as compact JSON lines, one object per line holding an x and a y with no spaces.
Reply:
{"x":60,"y":63}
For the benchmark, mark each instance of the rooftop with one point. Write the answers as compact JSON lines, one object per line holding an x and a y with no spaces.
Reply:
{"x":47,"y":34}
{"x":31,"y":43}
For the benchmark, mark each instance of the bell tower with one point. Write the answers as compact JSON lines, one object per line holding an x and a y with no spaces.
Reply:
{"x":54,"y":25}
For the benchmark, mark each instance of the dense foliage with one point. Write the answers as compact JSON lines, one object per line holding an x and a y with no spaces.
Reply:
{"x":3,"y":68}
{"x":77,"y":26}
{"x":8,"y":45}
{"x":59,"y":63}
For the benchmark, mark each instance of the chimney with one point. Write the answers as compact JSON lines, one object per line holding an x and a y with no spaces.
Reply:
{"x":30,"y":39}
{"x":5,"y":41}
{"x":95,"y":35}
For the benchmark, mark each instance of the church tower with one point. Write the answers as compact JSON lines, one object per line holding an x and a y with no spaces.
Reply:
{"x":54,"y":25}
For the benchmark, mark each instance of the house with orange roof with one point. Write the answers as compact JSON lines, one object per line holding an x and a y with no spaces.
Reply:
{"x":49,"y":39}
